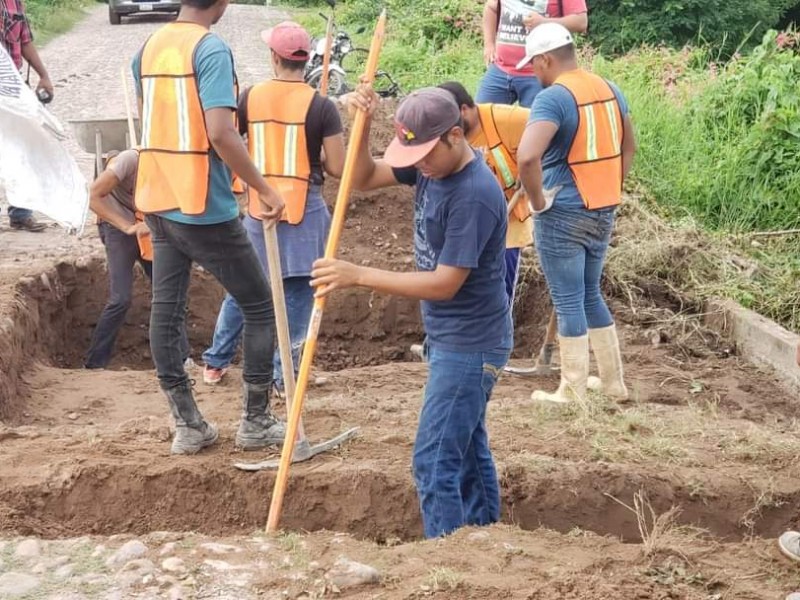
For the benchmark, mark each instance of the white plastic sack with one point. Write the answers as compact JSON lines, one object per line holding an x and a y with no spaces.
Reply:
{"x":36,"y":171}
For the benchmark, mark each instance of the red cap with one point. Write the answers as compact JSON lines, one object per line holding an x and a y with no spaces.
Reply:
{"x":288,"y":40}
{"x":421,"y":119}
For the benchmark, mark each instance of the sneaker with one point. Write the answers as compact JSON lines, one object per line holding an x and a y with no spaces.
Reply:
{"x":260,"y":433}
{"x":188,"y":440}
{"x":28,"y":224}
{"x":789,"y":543}
{"x":213,"y":376}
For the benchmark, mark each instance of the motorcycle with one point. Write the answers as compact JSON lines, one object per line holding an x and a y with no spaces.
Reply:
{"x":341,"y":46}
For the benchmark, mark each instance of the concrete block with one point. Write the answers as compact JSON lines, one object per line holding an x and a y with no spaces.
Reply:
{"x":758,"y":339}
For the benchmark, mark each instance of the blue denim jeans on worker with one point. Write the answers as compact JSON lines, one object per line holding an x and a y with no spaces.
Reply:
{"x":453,"y":466}
{"x":498,"y":87}
{"x":299,"y":304}
{"x":572,"y":245}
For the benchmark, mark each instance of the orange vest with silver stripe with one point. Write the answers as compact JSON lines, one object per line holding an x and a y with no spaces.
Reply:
{"x":174,"y":161}
{"x":595,"y":157}
{"x":276,"y":137}
{"x":502,"y":162}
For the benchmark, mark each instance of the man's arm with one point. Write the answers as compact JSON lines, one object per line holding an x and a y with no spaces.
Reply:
{"x":440,"y":285}
{"x":628,"y":145}
{"x":534,"y":144}
{"x":491,"y":18}
{"x":333,"y":154}
{"x":108,"y":209}
{"x":368,"y":173}
{"x":30,"y":54}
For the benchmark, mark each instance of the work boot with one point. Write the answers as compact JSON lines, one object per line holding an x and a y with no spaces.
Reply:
{"x":605,"y":345}
{"x":28,"y":224}
{"x":259,"y":427}
{"x":789,"y":543}
{"x":192,"y":433}
{"x":574,"y":371}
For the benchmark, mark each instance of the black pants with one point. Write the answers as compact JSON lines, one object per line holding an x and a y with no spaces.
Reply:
{"x":224,"y":251}
{"x":122,"y":253}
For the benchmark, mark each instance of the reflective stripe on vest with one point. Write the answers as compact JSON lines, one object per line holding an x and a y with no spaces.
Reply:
{"x":276,"y":137}
{"x":502,"y":162}
{"x":595,"y":156}
{"x":174,"y":162}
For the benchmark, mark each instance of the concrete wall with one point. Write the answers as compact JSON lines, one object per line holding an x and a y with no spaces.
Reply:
{"x":761,"y":341}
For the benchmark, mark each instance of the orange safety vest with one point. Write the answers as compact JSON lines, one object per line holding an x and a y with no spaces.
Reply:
{"x":502,"y":162}
{"x":595,"y":157}
{"x":174,"y":162}
{"x":145,"y":241}
{"x":276,"y":137}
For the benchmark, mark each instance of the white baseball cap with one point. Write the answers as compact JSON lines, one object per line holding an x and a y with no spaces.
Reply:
{"x":545,"y":38}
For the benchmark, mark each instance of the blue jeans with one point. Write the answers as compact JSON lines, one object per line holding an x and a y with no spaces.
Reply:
{"x":299,"y":304}
{"x":17,"y":215}
{"x":453,"y":466}
{"x":572,"y":245}
{"x":498,"y":87}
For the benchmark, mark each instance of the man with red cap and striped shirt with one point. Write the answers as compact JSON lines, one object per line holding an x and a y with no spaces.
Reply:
{"x":460,"y":232}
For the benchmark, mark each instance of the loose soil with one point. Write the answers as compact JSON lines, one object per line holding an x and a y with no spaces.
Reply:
{"x":87,"y":452}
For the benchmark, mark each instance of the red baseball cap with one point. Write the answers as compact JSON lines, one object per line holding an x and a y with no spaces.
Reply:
{"x":288,"y":40}
{"x":421,"y":119}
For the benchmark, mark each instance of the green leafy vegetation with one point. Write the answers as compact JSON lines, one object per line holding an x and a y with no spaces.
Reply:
{"x":49,"y":18}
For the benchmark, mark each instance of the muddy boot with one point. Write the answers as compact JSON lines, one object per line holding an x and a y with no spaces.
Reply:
{"x":192,"y":433}
{"x":259,"y":427}
{"x":605,"y":345}
{"x":574,"y":371}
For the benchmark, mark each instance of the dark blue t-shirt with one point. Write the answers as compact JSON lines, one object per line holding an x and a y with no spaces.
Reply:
{"x":461,"y":221}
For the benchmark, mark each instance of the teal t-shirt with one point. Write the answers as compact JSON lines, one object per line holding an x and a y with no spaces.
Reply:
{"x":213,"y":63}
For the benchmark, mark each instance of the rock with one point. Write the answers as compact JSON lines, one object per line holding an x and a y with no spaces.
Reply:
{"x":347,"y":573}
{"x":168,"y":548}
{"x":221,"y":565}
{"x":173,"y":564}
{"x":477,"y":536}
{"x":64,"y":571}
{"x":67,"y":596}
{"x":99,"y":550}
{"x":215,"y":548}
{"x":139,"y":570}
{"x":176,"y":593}
{"x":321,"y":381}
{"x":39,"y":568}
{"x":73,"y":416}
{"x":59,"y":561}
{"x":16,"y":585}
{"x":28,"y":549}
{"x":128,"y":552}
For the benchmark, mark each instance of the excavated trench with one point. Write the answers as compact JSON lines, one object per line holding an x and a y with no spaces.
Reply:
{"x":51,"y":321}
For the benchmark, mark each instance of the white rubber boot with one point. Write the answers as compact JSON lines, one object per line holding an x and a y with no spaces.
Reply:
{"x":574,"y":371}
{"x":605,"y":345}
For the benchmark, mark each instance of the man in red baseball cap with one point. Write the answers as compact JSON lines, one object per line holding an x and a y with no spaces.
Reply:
{"x":460,"y":219}
{"x":285,"y":113}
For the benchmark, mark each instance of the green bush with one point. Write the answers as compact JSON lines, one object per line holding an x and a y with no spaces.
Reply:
{"x":51,"y":17}
{"x":719,"y":142}
{"x":619,"y":25}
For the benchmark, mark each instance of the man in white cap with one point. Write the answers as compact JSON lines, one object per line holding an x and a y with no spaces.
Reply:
{"x":574,"y":156}
{"x":285,"y":113}
{"x":460,"y":219}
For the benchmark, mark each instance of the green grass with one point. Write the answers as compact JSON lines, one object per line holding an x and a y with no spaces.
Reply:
{"x":50,"y":18}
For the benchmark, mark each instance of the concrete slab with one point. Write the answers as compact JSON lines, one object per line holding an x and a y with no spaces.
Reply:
{"x":758,"y":339}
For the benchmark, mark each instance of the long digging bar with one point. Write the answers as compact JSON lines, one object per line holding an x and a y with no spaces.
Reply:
{"x":303,"y":450}
{"x":326,"y":58}
{"x":544,"y":361}
{"x":337,"y":225}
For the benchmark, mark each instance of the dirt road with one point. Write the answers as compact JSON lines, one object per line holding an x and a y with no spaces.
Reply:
{"x":86,"y":65}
